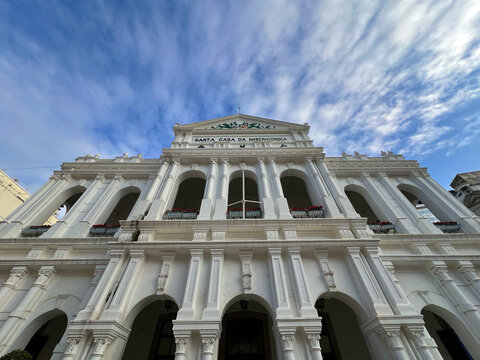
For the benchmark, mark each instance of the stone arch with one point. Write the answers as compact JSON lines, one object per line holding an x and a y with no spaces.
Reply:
{"x":247,"y":326}
{"x":262,"y":301}
{"x":342,"y":336}
{"x":120,"y":205}
{"x":151,"y":323}
{"x":42,"y":334}
{"x":417,"y":197}
{"x":198,"y":179}
{"x":143,"y":303}
{"x":67,"y":197}
{"x":364,"y":204}
{"x":351,"y":302}
{"x":298,"y":189}
{"x":454,"y":322}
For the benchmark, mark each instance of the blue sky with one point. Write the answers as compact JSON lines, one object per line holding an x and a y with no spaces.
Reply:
{"x":80,"y":77}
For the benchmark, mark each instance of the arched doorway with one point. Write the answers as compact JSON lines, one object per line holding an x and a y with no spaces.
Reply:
{"x":43,"y":342}
{"x":341,"y":337}
{"x":295,"y":191}
{"x":361,"y":206}
{"x":190,"y":194}
{"x":449,"y":344}
{"x":152,"y":337}
{"x":246,"y":333}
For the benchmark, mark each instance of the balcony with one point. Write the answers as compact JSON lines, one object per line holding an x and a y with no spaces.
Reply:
{"x":104,"y":230}
{"x":181,"y":214}
{"x":237,"y":213}
{"x":384,"y":227}
{"x":448,"y":226}
{"x":312,"y":212}
{"x":35,"y":230}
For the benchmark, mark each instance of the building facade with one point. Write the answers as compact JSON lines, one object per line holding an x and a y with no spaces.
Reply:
{"x":467,"y":190}
{"x":242,"y":240}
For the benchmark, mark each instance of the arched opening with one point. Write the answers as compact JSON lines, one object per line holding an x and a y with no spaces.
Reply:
{"x":122,"y":209}
{"x":341,"y":337}
{"x":243,"y":194}
{"x":428,"y":208}
{"x":43,"y":342}
{"x":361,"y":206}
{"x":152,"y":336}
{"x":188,"y":200}
{"x":449,"y":344}
{"x":246,"y":332}
{"x":295,"y":191}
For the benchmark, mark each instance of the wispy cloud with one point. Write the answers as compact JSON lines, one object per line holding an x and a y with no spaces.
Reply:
{"x":112,"y":78}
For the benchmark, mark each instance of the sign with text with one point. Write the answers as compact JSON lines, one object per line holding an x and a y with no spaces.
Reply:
{"x":239,"y":139}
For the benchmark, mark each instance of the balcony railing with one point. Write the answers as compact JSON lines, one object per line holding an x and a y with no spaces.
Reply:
{"x":104,"y":230}
{"x":448,"y":226}
{"x":181,"y":214}
{"x":237,"y":213}
{"x":312,"y":212}
{"x":382,"y":227}
{"x":35,"y":230}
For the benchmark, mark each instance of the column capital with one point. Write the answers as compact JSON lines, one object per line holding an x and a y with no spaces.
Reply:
{"x":181,"y":344}
{"x":288,"y":341}
{"x":213,"y":161}
{"x":208,"y":343}
{"x":101,"y":344}
{"x":116,"y":253}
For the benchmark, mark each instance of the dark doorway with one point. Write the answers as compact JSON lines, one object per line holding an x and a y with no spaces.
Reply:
{"x":448,"y":342}
{"x":43,"y":342}
{"x":152,"y":336}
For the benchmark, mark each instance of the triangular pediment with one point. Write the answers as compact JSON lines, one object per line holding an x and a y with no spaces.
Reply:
{"x":239,"y":122}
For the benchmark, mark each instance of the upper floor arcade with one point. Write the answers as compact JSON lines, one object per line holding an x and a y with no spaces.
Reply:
{"x":277,"y":180}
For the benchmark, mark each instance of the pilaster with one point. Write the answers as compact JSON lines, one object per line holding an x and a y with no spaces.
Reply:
{"x":278,"y":283}
{"x":212,"y":310}
{"x":187,"y":311}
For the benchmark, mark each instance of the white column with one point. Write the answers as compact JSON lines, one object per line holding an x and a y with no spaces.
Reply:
{"x":406,"y":207}
{"x":424,"y":344}
{"x":97,"y":300}
{"x":208,"y":346}
{"x":212,"y":310}
{"x":268,"y":205}
{"x":97,"y":275}
{"x":394,"y":293}
{"x":463,"y":305}
{"x":313,"y":338}
{"x":151,"y":190}
{"x":100,"y":346}
{"x":282,"y":203}
{"x":72,"y":347}
{"x":221,"y":201}
{"x":158,"y":205}
{"x":328,"y":201}
{"x":393,"y":339}
{"x":301,"y":287}
{"x":181,"y":343}
{"x":126,"y":286}
{"x":187,"y":311}
{"x":27,"y":304}
{"x":279,"y":285}
{"x":95,"y":212}
{"x":207,"y":201}
{"x":342,"y":201}
{"x":366,"y":285}
{"x":467,"y":271}
{"x":17,"y":273}
{"x":288,"y":343}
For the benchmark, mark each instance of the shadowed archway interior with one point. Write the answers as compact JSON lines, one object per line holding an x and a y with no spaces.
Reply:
{"x":43,"y":342}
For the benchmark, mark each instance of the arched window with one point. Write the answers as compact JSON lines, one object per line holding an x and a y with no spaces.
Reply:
{"x":449,"y":344}
{"x":243,"y":199}
{"x":341,"y":336}
{"x":298,"y":198}
{"x":43,"y":342}
{"x":152,"y":337}
{"x":361,"y":206}
{"x":188,"y":200}
{"x":426,"y":207}
{"x":246,"y":333}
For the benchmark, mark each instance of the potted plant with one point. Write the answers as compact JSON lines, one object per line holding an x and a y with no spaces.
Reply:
{"x":315,"y":212}
{"x":253,"y":213}
{"x":298,"y":212}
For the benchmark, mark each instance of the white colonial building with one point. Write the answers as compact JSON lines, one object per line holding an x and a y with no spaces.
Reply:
{"x":242,"y":241}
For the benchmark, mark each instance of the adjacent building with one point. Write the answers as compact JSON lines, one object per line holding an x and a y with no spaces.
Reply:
{"x":467,"y":189}
{"x":243,"y":240}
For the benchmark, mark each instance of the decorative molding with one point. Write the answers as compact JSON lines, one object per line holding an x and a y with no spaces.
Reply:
{"x":208,"y":344}
{"x":181,"y":345}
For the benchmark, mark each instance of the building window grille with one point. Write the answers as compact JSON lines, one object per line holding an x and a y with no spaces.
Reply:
{"x":239,"y":209}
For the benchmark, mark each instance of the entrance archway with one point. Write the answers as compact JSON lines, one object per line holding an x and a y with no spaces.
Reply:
{"x":341,"y":337}
{"x":449,"y":343}
{"x":152,"y":337}
{"x":246,"y":333}
{"x":43,"y":342}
